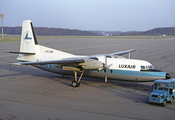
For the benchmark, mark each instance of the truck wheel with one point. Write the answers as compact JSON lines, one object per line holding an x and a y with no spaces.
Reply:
{"x":164,"y":103}
{"x":171,"y":101}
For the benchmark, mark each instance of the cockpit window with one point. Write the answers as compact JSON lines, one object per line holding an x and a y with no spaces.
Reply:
{"x":146,"y":67}
{"x":150,"y":67}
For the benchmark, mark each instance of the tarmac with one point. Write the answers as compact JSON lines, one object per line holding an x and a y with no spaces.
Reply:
{"x":28,"y":93}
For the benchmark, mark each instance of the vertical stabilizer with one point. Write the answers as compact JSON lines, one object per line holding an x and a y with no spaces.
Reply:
{"x":29,"y":43}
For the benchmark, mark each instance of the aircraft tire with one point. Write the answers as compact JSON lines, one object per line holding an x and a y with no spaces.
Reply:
{"x":74,"y":84}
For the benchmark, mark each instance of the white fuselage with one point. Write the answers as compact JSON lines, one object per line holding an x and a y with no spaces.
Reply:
{"x":112,"y":66}
{"x":121,"y":69}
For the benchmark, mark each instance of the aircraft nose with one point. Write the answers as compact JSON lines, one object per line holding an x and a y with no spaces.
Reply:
{"x":168,"y":76}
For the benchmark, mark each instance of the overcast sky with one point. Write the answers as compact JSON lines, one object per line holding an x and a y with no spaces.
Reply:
{"x":104,"y":15}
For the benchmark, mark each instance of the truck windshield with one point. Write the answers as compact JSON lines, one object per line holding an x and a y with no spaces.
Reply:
{"x":161,"y":86}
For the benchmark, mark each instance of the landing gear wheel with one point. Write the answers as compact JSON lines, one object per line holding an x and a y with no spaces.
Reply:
{"x":164,"y":103}
{"x":74,"y":84}
{"x":171,"y":101}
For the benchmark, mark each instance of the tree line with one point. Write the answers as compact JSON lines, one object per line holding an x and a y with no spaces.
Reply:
{"x":48,"y":31}
{"x":167,"y":31}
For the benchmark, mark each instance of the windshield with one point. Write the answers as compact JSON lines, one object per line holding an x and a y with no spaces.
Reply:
{"x":161,"y":86}
{"x":150,"y":67}
{"x":146,"y":67}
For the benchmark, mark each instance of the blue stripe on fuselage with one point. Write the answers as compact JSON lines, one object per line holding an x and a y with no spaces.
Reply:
{"x":123,"y":72}
{"x":153,"y":74}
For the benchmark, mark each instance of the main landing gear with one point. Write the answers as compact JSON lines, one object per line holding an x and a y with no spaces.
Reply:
{"x":76,"y":83}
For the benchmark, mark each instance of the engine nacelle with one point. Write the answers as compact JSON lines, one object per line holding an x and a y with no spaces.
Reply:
{"x":91,"y":64}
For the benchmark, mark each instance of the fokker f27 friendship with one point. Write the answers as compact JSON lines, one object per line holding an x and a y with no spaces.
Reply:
{"x":108,"y":66}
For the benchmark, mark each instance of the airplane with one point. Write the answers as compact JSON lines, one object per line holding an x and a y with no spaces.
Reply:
{"x":106,"y":66}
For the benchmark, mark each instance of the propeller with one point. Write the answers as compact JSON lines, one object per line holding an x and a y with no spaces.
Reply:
{"x":106,"y":77}
{"x":105,"y":67}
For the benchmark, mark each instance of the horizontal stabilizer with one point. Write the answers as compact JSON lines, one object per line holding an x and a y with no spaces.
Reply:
{"x":26,"y":53}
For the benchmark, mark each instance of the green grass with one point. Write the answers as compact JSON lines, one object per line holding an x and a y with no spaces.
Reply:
{"x":8,"y":38}
{"x":119,"y":37}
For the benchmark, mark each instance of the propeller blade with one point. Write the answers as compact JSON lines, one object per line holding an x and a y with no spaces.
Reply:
{"x":107,"y":66}
{"x":106,"y":77}
{"x":105,"y":59}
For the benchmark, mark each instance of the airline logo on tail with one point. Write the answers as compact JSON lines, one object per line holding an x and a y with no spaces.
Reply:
{"x":27,"y":37}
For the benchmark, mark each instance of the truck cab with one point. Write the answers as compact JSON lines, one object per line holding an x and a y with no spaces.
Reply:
{"x":163,"y":92}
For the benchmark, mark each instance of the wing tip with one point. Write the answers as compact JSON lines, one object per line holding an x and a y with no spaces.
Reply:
{"x":16,"y":64}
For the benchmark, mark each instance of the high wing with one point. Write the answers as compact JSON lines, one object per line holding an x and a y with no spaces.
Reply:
{"x":121,"y":53}
{"x":61,"y":61}
{"x":83,"y":63}
{"x":111,"y":54}
{"x":114,"y":55}
{"x":79,"y":64}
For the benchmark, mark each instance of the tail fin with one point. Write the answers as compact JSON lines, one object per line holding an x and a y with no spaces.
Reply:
{"x":31,"y":51}
{"x":29,"y":43}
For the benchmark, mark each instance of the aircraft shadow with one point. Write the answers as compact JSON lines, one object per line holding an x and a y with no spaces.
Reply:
{"x":137,"y":92}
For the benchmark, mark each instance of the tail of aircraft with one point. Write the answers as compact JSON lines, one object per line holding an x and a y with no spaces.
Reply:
{"x":29,"y":43}
{"x":30,"y":50}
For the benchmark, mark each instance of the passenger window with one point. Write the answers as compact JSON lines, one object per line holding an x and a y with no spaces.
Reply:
{"x":142,"y":67}
{"x":111,"y":71}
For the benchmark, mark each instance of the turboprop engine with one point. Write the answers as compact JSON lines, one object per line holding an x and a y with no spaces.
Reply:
{"x":91,"y":64}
